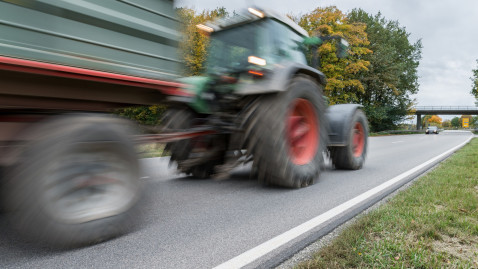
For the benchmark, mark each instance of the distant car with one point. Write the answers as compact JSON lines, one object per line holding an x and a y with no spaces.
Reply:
{"x":431,"y":130}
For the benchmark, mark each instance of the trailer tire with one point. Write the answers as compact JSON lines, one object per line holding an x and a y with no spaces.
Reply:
{"x":284,"y":133}
{"x":76,"y":183}
{"x":352,"y":156}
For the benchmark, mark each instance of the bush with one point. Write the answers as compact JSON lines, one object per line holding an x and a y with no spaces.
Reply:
{"x":144,"y":115}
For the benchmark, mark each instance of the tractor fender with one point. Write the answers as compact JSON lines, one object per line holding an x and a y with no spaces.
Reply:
{"x":278,"y":79}
{"x":283,"y":75}
{"x":339,"y":118}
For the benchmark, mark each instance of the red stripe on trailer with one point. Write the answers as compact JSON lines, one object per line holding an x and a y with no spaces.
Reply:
{"x":20,"y":65}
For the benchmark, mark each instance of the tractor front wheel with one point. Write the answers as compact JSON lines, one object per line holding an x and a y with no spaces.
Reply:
{"x":352,"y":156}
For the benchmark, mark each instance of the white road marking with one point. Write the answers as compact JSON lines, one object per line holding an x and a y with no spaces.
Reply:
{"x":282,"y":239}
{"x":397,"y":142}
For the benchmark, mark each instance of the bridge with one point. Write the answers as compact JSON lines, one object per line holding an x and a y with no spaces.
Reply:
{"x":442,"y":110}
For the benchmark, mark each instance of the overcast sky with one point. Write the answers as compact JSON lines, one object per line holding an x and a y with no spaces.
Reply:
{"x":448,"y":29}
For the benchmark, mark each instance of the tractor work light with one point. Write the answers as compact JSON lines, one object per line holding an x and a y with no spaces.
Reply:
{"x":205,"y":28}
{"x":256,"y":60}
{"x":256,"y":12}
{"x":256,"y":73}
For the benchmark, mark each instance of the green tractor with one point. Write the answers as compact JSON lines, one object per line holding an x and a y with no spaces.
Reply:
{"x":262,"y":102}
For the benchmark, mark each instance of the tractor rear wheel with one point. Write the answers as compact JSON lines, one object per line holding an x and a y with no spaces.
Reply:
{"x":285,"y":134}
{"x":195,"y":156}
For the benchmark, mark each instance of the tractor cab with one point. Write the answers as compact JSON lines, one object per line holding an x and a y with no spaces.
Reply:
{"x":249,"y":45}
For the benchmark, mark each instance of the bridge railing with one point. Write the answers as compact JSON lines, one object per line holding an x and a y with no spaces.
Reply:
{"x":446,"y":108}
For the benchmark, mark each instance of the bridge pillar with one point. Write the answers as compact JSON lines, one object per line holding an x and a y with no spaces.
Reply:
{"x":419,"y":121}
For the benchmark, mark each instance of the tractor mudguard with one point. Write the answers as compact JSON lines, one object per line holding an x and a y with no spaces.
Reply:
{"x":278,"y":79}
{"x":339,"y":117}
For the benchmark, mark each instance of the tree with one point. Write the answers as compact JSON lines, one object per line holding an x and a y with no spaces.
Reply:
{"x":455,"y":122}
{"x":343,"y":85}
{"x":392,"y":77}
{"x":428,"y":120}
{"x":194,"y":45}
{"x":435,"y":120}
{"x":425,"y":120}
{"x":474,"y":86}
{"x":474,"y":122}
{"x":446,"y":124}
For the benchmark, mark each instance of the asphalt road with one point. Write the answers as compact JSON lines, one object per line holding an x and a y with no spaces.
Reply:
{"x":192,"y":223}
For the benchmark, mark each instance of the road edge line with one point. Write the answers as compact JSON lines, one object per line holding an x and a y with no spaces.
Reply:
{"x":263,"y":249}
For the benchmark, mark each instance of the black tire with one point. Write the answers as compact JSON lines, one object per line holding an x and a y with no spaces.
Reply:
{"x":76,"y":183}
{"x":350,"y":157}
{"x":267,"y":139}
{"x":176,"y":119}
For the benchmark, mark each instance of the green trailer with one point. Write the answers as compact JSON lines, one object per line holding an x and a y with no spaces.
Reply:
{"x":69,"y":170}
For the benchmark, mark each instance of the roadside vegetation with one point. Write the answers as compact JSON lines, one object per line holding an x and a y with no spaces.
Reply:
{"x":432,"y":224}
{"x":396,"y":132}
{"x":151,"y":150}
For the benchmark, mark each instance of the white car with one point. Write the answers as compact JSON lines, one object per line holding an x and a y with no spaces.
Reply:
{"x":431,"y":130}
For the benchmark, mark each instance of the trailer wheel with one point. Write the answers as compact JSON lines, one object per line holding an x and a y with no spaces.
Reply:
{"x":352,"y":156}
{"x":285,"y":135}
{"x":182,"y":151}
{"x":76,"y":183}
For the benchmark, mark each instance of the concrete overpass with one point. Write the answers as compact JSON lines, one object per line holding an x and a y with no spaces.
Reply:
{"x":443,"y":110}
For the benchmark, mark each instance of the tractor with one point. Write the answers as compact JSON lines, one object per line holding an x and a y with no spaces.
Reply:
{"x":261,"y":100}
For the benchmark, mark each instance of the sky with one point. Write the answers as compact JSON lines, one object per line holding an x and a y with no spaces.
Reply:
{"x":448,"y":30}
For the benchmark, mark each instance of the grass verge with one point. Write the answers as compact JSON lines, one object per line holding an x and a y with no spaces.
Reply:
{"x":397,"y":132}
{"x":151,"y":150}
{"x":432,"y":224}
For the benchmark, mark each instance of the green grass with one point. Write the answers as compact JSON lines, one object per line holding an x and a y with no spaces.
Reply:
{"x":432,"y":224}
{"x":397,"y":132}
{"x":151,"y":150}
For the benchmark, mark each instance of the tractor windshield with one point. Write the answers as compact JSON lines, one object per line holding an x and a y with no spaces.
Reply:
{"x":230,"y":49}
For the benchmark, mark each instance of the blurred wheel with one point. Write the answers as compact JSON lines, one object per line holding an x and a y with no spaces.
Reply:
{"x":76,"y":183}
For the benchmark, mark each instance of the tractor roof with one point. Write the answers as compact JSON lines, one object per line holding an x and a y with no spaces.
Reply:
{"x":250,"y":15}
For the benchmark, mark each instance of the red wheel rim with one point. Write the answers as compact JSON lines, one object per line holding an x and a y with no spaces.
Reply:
{"x":302,"y":132}
{"x":358,"y":140}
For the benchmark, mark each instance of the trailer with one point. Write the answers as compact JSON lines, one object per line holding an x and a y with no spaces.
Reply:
{"x":69,"y":169}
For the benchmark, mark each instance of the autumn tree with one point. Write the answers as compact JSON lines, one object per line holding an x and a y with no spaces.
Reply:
{"x":435,"y":120}
{"x":194,"y":45}
{"x":428,"y":120}
{"x":446,"y":124}
{"x":343,"y":85}
{"x":392,"y":75}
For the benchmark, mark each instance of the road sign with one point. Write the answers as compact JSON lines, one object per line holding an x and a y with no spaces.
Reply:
{"x":465,"y":122}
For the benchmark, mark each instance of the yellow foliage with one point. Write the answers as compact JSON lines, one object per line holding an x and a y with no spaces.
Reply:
{"x":342,"y":74}
{"x":435,"y":119}
{"x":194,"y":44}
